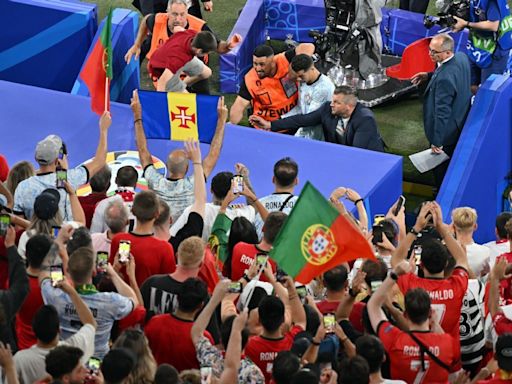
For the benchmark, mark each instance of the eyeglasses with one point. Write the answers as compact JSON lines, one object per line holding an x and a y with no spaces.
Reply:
{"x":434,"y":52}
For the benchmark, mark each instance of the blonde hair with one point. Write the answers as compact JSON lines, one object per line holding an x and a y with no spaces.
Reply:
{"x":19,"y":172}
{"x":464,"y":218}
{"x":191,"y":252}
{"x":145,"y":369}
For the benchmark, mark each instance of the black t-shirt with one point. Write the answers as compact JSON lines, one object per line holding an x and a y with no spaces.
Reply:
{"x":244,"y":91}
{"x":160,"y":295}
{"x":193,"y":227}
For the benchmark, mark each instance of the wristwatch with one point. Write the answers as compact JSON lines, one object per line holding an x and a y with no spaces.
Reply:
{"x":414,"y":232}
{"x":393,"y":275}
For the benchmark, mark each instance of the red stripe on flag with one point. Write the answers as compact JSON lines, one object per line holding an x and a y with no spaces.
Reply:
{"x":351,"y":245}
{"x":94,"y":76}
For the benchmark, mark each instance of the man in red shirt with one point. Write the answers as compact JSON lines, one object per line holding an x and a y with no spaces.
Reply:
{"x":263,"y":349}
{"x":152,"y":256}
{"x":421,"y":355}
{"x":446,"y":294}
{"x":36,"y":250}
{"x":100,"y":183}
{"x":244,"y":253}
{"x":335,"y":282}
{"x":169,"y":335}
{"x":181,"y":54}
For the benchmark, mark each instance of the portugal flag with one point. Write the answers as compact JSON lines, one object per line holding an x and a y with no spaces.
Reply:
{"x":316,"y":238}
{"x":97,"y":70}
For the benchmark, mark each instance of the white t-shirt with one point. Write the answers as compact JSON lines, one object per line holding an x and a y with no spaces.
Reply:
{"x":210,"y":214}
{"x":30,"y":363}
{"x":497,"y":248}
{"x":273,"y":203}
{"x":478,"y":257}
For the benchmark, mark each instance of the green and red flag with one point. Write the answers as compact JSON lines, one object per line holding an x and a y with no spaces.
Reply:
{"x":316,"y":238}
{"x":97,"y":70}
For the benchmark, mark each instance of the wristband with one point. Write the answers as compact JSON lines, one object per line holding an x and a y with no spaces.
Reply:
{"x":392,"y":275}
{"x":196,"y":163}
{"x":352,"y":293}
{"x":467,"y":25}
{"x":136,"y":121}
{"x":414,"y":232}
{"x":315,"y":342}
{"x":358,"y":200}
{"x":246,"y":278}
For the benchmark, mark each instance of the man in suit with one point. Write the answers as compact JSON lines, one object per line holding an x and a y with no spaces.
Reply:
{"x":447,"y":99}
{"x":344,"y":121}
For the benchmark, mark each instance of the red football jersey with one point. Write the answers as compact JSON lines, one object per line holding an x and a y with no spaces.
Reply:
{"x":326,"y":306}
{"x":263,"y":351}
{"x":404,"y":354}
{"x":152,"y":256}
{"x":446,"y":296}
{"x":170,"y":341}
{"x":242,"y":258}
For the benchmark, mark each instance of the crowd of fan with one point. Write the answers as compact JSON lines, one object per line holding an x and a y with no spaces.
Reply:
{"x":191,"y":300}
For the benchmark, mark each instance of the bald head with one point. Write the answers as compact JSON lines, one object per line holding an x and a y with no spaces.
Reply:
{"x":177,"y":163}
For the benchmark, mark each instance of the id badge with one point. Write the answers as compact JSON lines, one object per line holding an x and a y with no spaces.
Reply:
{"x":289,"y":86}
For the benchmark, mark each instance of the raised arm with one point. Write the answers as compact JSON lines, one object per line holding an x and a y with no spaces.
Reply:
{"x":204,"y":317}
{"x":226,"y":46}
{"x":76,"y":208}
{"x":234,"y":350}
{"x":237,"y":109}
{"x":355,"y":198}
{"x":140,"y":135}
{"x":347,"y":302}
{"x":13,"y":297}
{"x":7,"y":364}
{"x":297,"y":309}
{"x":210,"y":160}
{"x":100,"y":157}
{"x":194,"y":154}
{"x":141,"y":35}
{"x":121,"y":287}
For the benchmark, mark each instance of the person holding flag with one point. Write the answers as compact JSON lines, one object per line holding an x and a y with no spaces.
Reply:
{"x":97,"y":72}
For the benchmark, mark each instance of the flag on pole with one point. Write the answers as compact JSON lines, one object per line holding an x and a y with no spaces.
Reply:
{"x":316,"y":238}
{"x":179,"y":116}
{"x":97,"y":70}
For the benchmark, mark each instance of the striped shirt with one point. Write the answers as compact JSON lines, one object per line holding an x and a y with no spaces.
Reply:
{"x":472,"y":340}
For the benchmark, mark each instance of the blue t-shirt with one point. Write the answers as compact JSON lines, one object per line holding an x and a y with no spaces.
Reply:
{"x":106,"y":307}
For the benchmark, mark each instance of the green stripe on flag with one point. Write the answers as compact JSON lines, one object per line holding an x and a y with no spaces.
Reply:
{"x":106,"y":41}
{"x":311,"y":209}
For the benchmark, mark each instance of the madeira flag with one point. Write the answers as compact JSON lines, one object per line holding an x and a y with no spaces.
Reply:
{"x":316,"y":238}
{"x":179,"y":116}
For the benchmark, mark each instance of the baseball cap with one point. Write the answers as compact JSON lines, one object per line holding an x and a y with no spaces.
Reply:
{"x":47,"y":150}
{"x":504,"y":351}
{"x":46,"y":204}
{"x":4,"y":169}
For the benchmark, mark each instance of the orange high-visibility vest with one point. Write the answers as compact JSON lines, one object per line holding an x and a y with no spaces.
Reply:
{"x":272,"y":96}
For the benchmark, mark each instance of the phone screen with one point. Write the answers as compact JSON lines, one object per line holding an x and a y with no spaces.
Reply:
{"x":55,"y":231}
{"x":56,"y":274}
{"x":238,"y":183}
{"x":62,"y":176}
{"x":235,"y":287}
{"x":329,"y":322}
{"x":102,"y":261}
{"x":375,"y":285}
{"x":206,"y":375}
{"x":93,"y":365}
{"x":5,"y":221}
{"x":261,"y":259}
{"x":378,"y":218}
{"x":301,"y":291}
{"x":400,"y":204}
{"x":124,"y":251}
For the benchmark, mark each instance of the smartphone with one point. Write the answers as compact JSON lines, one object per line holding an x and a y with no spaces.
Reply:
{"x":62,"y":176}
{"x":329,"y":322}
{"x":101,"y":261}
{"x":399,"y":205}
{"x":417,"y":254}
{"x":302,"y":291}
{"x":61,"y":153}
{"x":56,"y":274}
{"x":5,"y":221}
{"x":238,"y":183}
{"x":235,"y":287}
{"x":377,"y":232}
{"x":375,"y":285}
{"x":206,"y":375}
{"x":378,"y":218}
{"x":261,"y":259}
{"x":55,"y":231}
{"x":124,"y":251}
{"x":93,"y":365}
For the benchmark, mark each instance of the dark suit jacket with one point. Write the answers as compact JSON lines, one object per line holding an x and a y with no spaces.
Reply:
{"x":361,"y":130}
{"x":447,"y":101}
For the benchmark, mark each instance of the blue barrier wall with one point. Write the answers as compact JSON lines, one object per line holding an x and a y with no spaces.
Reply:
{"x":483,"y":157}
{"x":36,"y":33}
{"x":125,"y":24}
{"x":376,"y":176}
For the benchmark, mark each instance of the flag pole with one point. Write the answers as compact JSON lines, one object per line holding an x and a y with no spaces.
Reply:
{"x":107,"y":96}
